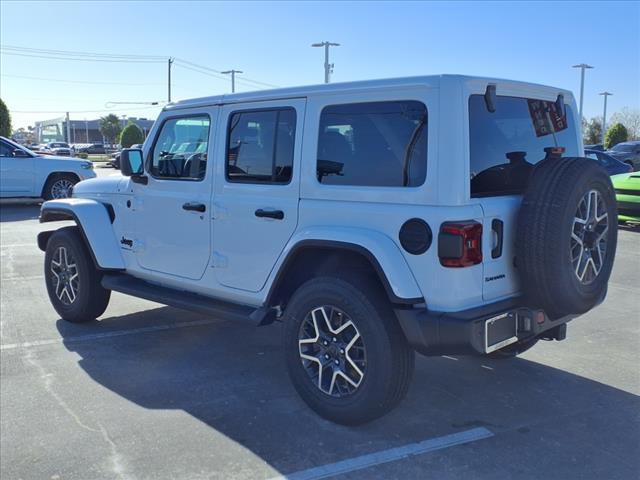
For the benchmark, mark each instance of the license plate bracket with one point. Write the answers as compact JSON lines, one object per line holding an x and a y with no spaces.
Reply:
{"x":500,"y":331}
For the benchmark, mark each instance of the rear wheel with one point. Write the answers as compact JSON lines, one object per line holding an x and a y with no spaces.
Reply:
{"x":73,"y":282}
{"x":345,"y":352}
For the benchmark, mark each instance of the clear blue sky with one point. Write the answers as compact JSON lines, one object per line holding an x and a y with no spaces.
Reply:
{"x":528,"y":41}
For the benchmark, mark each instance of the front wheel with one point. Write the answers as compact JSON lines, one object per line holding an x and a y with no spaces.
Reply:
{"x":346,"y":354}
{"x":73,"y":282}
{"x":59,"y":186}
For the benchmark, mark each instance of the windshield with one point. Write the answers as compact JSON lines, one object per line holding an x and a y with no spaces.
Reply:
{"x":17,"y":145}
{"x":622,"y":147}
{"x":506,"y":144}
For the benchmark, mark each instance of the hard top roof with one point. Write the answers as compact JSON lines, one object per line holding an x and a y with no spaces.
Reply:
{"x":429,"y":81}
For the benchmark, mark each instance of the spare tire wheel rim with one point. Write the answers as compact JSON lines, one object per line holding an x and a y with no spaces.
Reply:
{"x":589,"y":237}
{"x":332,"y":351}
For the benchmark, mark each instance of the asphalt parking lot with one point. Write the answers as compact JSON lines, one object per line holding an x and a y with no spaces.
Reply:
{"x":151,"y":392}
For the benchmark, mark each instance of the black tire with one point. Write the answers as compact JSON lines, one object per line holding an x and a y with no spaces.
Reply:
{"x":555,"y":197}
{"x":87,"y":300}
{"x":60,"y":180}
{"x":389,"y":361}
{"x":513,"y":350}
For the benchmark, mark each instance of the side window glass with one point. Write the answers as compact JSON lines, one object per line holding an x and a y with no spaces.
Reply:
{"x":260,"y":146}
{"x":5,"y":150}
{"x":180,"y":151}
{"x":373,"y":144}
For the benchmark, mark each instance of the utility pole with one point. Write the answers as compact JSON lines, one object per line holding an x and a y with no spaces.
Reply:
{"x":328,"y":67}
{"x":233,"y":78}
{"x":169,"y":63}
{"x":582,"y":67}
{"x":86,"y":129}
{"x":604,"y":114}
{"x":68,"y":129}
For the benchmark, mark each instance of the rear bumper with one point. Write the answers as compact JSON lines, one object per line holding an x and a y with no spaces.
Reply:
{"x":464,"y":333}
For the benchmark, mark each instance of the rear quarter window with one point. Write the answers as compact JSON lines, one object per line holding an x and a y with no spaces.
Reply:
{"x":373,"y":144}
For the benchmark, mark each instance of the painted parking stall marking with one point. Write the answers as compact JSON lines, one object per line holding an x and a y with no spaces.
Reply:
{"x":390,"y":455}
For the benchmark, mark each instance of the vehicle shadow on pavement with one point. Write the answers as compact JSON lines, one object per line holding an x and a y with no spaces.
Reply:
{"x":232,"y":377}
{"x":11,"y":211}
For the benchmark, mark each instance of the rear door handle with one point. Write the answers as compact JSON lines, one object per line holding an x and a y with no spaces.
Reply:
{"x":497,"y":226}
{"x":194,"y":207}
{"x":277,"y":214}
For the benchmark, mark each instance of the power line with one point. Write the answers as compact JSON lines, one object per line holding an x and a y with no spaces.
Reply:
{"x":48,"y":57}
{"x":89,"y":82}
{"x":78,"y":53}
{"x":244,"y":80}
{"x":83,"y":111}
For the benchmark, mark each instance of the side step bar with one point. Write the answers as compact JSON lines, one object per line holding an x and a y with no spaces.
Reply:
{"x":129,"y":285}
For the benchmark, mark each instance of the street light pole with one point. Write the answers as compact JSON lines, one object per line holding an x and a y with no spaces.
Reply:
{"x":233,"y":78}
{"x":169,"y":63}
{"x":582,"y":67}
{"x":328,"y":67}
{"x":604,"y":114}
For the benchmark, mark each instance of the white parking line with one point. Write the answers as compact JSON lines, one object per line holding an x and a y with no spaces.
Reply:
{"x":115,"y":333}
{"x":390,"y":455}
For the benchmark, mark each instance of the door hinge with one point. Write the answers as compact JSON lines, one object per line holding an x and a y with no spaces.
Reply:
{"x":219,"y":261}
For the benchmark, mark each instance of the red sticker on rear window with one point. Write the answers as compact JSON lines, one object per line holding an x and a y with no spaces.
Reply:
{"x":546,"y":119}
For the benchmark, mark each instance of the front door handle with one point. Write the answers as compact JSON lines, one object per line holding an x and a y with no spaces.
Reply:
{"x":277,"y":214}
{"x":194,"y":207}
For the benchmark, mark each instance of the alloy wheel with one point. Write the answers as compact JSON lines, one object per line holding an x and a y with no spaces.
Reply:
{"x":332,"y":351}
{"x":65,"y":276}
{"x":589,"y":237}
{"x":61,"y":188}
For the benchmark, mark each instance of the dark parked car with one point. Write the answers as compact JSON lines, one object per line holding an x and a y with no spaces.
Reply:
{"x":627,"y":152}
{"x":115,"y":157}
{"x":613,"y":166}
{"x":93,"y":148}
{"x":596,"y":146}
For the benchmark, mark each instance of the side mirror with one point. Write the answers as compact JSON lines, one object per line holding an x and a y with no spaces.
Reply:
{"x":490,"y":98}
{"x":17,"y":153}
{"x":132,"y":164}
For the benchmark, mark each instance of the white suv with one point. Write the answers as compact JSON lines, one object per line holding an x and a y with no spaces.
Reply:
{"x":24,"y":173}
{"x":441,"y":214}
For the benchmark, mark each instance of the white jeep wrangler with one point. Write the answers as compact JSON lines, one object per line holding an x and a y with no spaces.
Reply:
{"x":439,"y":214}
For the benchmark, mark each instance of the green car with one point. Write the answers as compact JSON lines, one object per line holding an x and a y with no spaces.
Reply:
{"x":627,"y":187}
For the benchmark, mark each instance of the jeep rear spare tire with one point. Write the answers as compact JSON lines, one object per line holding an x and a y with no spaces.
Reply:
{"x":566,"y":235}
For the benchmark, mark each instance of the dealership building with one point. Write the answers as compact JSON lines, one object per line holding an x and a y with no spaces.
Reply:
{"x":80,"y":131}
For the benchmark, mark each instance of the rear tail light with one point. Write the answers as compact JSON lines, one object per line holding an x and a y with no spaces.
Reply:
{"x":460,"y":244}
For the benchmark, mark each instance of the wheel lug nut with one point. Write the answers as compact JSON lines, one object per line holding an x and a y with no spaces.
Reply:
{"x":336,"y":362}
{"x":326,"y":356}
{"x":335,"y":339}
{"x":341,"y":351}
{"x":325,"y":343}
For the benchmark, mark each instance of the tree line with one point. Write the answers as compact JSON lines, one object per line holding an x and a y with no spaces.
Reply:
{"x":623,"y":126}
